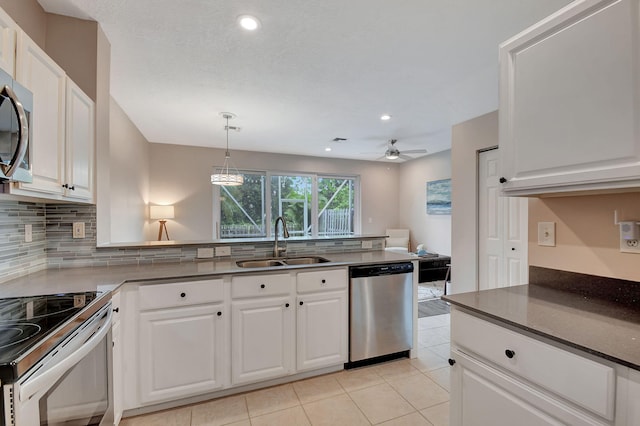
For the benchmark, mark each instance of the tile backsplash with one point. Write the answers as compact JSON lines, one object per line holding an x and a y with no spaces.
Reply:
{"x":54,"y":247}
{"x":18,"y":257}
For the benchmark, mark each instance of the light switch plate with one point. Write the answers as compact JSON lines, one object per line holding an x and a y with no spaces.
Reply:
{"x":223,"y":251}
{"x":78,"y":229}
{"x":547,"y":234}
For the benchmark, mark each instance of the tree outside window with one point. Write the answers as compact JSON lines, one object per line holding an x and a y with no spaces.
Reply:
{"x":312,"y":205}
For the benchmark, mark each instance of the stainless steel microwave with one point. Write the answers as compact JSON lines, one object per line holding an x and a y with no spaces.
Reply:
{"x":16,"y":107}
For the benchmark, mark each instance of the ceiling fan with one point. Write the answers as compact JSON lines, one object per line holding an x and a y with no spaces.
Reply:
{"x":393,"y":153}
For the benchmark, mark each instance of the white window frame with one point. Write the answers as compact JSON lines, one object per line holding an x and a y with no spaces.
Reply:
{"x":357,"y":220}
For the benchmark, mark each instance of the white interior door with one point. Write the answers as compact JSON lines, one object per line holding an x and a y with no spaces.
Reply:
{"x":502,"y":229}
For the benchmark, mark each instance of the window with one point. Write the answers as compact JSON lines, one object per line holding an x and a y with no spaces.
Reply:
{"x":242,"y":208}
{"x":313,"y":205}
{"x":291,"y":199}
{"x":336,"y":206}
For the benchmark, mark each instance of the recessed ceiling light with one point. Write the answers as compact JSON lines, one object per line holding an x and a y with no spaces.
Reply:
{"x":328,"y":149}
{"x":249,"y":22}
{"x":385,"y":117}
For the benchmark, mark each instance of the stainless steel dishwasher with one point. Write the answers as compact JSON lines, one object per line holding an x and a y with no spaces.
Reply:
{"x":380,"y":312}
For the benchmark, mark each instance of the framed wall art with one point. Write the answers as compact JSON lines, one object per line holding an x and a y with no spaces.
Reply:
{"x":439,"y":196}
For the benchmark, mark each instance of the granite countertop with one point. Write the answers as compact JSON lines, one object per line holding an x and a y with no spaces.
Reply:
{"x":65,"y":280}
{"x":606,"y":326}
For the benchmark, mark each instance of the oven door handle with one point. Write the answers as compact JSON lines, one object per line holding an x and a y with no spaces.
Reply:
{"x":47,"y":378}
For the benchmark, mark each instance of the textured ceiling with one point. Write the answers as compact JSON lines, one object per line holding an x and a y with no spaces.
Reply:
{"x":315,"y":70}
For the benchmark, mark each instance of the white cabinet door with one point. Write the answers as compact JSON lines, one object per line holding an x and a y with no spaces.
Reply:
{"x":118,"y":353}
{"x":570,"y":101}
{"x":634,"y":397}
{"x":261,"y":339}
{"x":322,"y":329}
{"x":481,"y":395}
{"x":46,"y":80}
{"x":181,"y":352}
{"x":8,"y":30}
{"x":118,"y":388}
{"x":80,"y":142}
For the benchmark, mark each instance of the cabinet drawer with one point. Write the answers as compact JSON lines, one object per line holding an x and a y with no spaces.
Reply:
{"x":321,"y":280}
{"x":260,"y":285}
{"x":180,"y":294}
{"x":580,"y":380}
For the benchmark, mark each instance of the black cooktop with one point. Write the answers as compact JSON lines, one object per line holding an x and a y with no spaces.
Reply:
{"x":31,"y":326}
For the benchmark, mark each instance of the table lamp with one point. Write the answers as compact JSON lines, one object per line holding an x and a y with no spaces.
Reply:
{"x":163,"y":213}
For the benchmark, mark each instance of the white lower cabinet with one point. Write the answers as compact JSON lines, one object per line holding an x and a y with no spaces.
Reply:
{"x":116,"y":338}
{"x":184,"y":339}
{"x":633,"y":408}
{"x":502,"y":377}
{"x":182,"y":333}
{"x":483,"y":395}
{"x":322,"y":319}
{"x":262,"y":339}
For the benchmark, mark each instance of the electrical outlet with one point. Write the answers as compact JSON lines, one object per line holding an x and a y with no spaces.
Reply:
{"x":78,"y":229}
{"x":367,"y":244}
{"x":204,"y":253}
{"x":547,"y":234}
{"x":223,"y":251}
{"x":28,"y":233}
{"x":630,"y":246}
{"x":79,"y":300}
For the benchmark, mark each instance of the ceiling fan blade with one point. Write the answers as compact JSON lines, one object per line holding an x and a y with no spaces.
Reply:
{"x":414,"y":151}
{"x":405,"y":157}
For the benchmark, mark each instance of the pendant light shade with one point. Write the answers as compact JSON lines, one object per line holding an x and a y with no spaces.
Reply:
{"x":227,"y":174}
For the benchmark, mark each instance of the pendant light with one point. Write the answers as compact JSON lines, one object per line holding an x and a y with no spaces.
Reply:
{"x":227,"y":175}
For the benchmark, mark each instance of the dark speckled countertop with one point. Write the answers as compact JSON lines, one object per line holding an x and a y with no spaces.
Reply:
{"x":595,"y":314}
{"x":109,"y":278}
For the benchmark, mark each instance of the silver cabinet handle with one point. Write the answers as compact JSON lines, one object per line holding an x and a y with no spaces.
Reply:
{"x":23,"y":133}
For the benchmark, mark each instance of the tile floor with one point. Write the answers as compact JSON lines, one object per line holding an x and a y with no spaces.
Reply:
{"x":402,"y":392}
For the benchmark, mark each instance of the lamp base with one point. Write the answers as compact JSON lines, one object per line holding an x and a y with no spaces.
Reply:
{"x":163,"y":225}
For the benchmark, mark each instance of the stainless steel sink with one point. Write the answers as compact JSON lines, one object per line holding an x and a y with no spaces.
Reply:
{"x":268,"y":263}
{"x":259,"y":263}
{"x":310,"y":260}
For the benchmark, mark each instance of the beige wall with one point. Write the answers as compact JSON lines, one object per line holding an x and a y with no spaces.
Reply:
{"x":103,"y":150}
{"x":432,"y":230}
{"x":129,"y":179}
{"x":30,"y":16}
{"x":466,"y":140}
{"x":587,"y":241}
{"x":180,"y":175}
{"x":73,"y":44}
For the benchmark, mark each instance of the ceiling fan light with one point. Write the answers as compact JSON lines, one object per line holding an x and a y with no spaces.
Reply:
{"x":391,"y":155}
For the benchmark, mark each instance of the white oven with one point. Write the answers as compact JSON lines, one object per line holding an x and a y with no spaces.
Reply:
{"x":71,"y":385}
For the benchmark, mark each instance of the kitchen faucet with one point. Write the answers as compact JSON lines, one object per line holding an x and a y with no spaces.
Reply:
{"x":285,"y":233}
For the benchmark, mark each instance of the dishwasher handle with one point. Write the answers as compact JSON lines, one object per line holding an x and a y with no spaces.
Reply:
{"x":380,"y":269}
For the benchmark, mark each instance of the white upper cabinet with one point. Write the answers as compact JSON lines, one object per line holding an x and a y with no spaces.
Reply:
{"x":46,"y":80}
{"x":8,"y":30}
{"x":570,"y":101}
{"x":80,"y":141}
{"x":63,"y":129}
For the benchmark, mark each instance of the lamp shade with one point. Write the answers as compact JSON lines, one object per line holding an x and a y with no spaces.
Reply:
{"x":161,"y":212}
